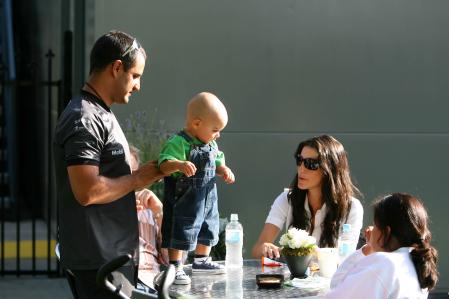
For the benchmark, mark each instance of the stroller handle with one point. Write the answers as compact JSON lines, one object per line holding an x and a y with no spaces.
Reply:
{"x":166,"y":279}
{"x":108,"y":268}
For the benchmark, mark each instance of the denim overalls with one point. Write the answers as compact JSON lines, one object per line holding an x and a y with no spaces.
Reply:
{"x":190,"y":203}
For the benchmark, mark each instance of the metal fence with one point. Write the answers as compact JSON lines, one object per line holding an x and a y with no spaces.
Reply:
{"x":28,"y":227}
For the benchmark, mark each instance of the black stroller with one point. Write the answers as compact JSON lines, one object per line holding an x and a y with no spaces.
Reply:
{"x":162,"y":282}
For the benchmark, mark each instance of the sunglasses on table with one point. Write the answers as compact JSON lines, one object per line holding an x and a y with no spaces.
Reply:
{"x":309,"y":163}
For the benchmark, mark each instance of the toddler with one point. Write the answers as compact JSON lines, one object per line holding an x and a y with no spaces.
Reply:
{"x":191,"y":159}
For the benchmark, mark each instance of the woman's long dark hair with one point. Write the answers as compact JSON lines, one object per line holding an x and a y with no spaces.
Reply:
{"x":407,"y":220}
{"x":337,"y":189}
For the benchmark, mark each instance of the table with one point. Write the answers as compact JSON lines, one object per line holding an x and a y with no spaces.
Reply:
{"x":241,"y":283}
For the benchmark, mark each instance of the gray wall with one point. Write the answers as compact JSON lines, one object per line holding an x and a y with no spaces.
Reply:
{"x":372,"y":73}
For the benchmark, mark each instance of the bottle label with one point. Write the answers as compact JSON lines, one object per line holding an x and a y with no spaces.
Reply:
{"x":344,"y":249}
{"x":233,"y":237}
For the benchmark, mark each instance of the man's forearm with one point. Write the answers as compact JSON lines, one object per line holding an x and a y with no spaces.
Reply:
{"x":91,"y":188}
{"x":170,"y":166}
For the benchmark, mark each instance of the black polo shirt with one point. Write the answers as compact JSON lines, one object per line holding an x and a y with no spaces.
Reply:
{"x":88,"y":133}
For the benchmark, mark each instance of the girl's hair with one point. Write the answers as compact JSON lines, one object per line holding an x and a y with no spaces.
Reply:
{"x":407,"y":220}
{"x":337,"y":189}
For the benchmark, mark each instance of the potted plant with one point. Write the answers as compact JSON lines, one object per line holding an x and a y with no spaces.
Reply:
{"x":297,"y":248}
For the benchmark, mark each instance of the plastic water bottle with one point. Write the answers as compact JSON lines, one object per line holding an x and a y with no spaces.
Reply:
{"x":234,"y":243}
{"x":234,"y":283}
{"x":346,"y":242}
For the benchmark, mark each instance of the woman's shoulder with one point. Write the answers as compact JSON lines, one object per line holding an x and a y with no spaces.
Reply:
{"x":382,"y":260}
{"x":279,"y":212}
{"x":282,"y":198}
{"x":400,"y":256}
{"x":394,"y":268}
{"x":356,"y":204}
{"x":355,"y":200}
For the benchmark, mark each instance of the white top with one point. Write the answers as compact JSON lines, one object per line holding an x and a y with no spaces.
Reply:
{"x":381,"y":275}
{"x":281,"y":214}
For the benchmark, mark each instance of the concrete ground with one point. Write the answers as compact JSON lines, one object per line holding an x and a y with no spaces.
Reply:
{"x":41,"y":287}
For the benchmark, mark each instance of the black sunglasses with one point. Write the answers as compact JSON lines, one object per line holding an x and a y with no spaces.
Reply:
{"x":134,"y":46}
{"x":309,"y":163}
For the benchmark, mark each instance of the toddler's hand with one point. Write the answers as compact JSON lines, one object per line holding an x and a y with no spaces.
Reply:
{"x":228,"y":175}
{"x":188,"y":168}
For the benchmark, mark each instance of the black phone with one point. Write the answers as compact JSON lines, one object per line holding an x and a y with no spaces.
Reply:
{"x":269,"y":280}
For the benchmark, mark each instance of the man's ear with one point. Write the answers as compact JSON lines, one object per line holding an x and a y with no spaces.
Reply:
{"x":116,"y":66}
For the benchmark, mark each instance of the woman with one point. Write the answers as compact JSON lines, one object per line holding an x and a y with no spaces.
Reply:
{"x":319,"y":200}
{"x":397,"y":261}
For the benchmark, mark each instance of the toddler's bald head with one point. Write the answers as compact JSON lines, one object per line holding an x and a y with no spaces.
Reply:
{"x":206,"y":105}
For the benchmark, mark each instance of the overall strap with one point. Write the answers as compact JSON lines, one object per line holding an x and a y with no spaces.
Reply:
{"x":185,"y":136}
{"x":189,"y":139}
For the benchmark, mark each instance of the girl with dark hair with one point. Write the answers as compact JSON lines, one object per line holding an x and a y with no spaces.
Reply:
{"x":398,"y":260}
{"x":319,"y":200}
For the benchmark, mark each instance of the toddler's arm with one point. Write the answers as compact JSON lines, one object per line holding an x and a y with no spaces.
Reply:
{"x":226,"y":173}
{"x":170,"y":166}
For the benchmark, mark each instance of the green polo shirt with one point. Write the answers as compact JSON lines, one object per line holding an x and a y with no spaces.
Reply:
{"x":177,"y":148}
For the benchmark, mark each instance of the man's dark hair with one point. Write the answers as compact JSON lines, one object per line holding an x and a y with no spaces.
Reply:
{"x":115,"y":45}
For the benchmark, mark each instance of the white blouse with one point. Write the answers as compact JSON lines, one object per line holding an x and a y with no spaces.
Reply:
{"x":281,"y":214}
{"x":381,"y":275}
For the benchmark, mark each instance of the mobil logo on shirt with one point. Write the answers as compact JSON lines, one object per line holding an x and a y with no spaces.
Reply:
{"x":117,"y":152}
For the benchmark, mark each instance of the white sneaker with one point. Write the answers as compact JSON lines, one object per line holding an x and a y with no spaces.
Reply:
{"x":181,"y":278}
{"x":206,"y":265}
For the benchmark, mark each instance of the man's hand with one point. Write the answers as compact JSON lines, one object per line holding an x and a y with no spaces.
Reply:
{"x":226,"y":173}
{"x":147,"y":174}
{"x":170,"y":166}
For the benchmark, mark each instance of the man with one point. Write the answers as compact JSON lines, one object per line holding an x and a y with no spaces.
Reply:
{"x":97,"y":206}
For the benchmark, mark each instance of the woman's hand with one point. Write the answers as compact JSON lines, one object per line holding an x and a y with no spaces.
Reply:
{"x":270,"y":250}
{"x":264,"y":246}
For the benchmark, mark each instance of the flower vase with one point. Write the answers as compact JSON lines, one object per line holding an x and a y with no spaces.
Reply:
{"x":298,"y":265}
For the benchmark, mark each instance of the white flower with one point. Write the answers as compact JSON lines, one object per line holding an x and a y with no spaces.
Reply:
{"x":292,"y":243}
{"x":311,"y":240}
{"x":284,"y":240}
{"x":296,"y":238}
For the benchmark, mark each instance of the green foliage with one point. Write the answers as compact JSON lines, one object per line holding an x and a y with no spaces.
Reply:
{"x":147,"y":133}
{"x":302,"y":251}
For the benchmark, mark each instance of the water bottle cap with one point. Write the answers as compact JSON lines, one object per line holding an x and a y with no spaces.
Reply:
{"x":346,"y":227}
{"x":234,"y":217}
